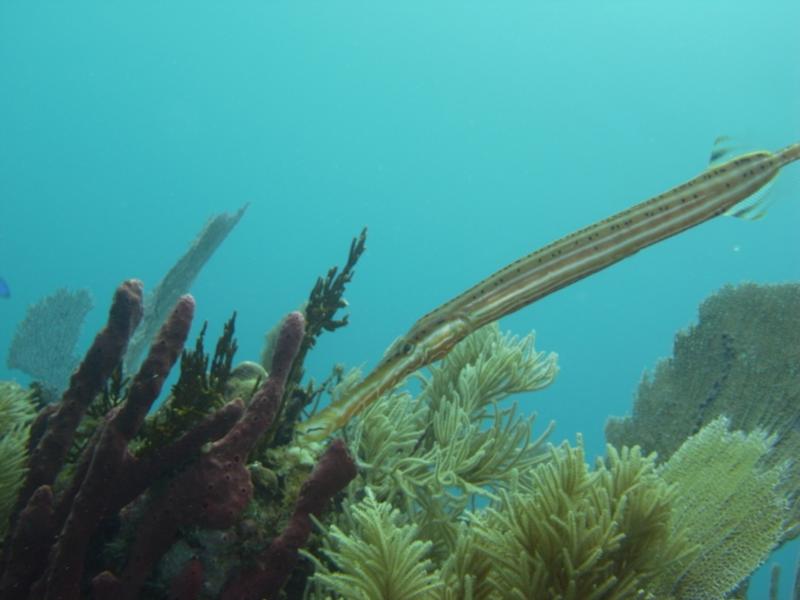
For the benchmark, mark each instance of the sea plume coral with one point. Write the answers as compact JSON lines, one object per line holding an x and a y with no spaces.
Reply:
{"x":455,"y":438}
{"x":570,"y":532}
{"x":381,"y":558}
{"x":627,"y":529}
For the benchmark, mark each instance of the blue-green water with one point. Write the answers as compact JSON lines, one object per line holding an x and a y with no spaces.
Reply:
{"x":464,"y":135}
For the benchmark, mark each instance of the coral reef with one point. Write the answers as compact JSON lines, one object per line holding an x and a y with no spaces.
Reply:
{"x":740,"y":360}
{"x":627,"y":529}
{"x":59,"y":524}
{"x":439,"y":491}
{"x":44,"y":342}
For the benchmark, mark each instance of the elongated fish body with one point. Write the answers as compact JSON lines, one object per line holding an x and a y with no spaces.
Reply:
{"x":716,"y":191}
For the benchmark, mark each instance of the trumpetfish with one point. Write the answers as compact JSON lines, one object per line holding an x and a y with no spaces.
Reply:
{"x":729,"y":188}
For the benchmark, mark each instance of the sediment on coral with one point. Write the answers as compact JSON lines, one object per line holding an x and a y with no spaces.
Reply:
{"x":740,"y":360}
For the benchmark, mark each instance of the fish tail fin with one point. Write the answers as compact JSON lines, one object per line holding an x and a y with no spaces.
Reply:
{"x":789,"y":154}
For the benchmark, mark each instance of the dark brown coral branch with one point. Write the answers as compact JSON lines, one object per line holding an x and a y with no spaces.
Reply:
{"x":103,"y":356}
{"x":32,"y":533}
{"x":333,"y":472}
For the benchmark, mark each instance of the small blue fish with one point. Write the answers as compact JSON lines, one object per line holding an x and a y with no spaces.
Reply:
{"x":5,"y":291}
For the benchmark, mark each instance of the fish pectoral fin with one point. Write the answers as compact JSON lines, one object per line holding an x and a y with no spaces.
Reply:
{"x":392,"y":348}
{"x":754,"y":207}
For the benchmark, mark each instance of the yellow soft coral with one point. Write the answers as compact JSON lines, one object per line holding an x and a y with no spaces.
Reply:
{"x":573,"y":533}
{"x":382,"y":558}
{"x":16,"y":412}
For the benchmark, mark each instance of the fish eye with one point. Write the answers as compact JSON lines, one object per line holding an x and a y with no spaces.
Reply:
{"x":407,"y":348}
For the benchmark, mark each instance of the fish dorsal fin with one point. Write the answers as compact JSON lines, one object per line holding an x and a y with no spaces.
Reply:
{"x":721,"y":150}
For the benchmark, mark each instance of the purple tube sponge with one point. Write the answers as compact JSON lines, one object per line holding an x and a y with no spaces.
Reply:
{"x":213,"y":491}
